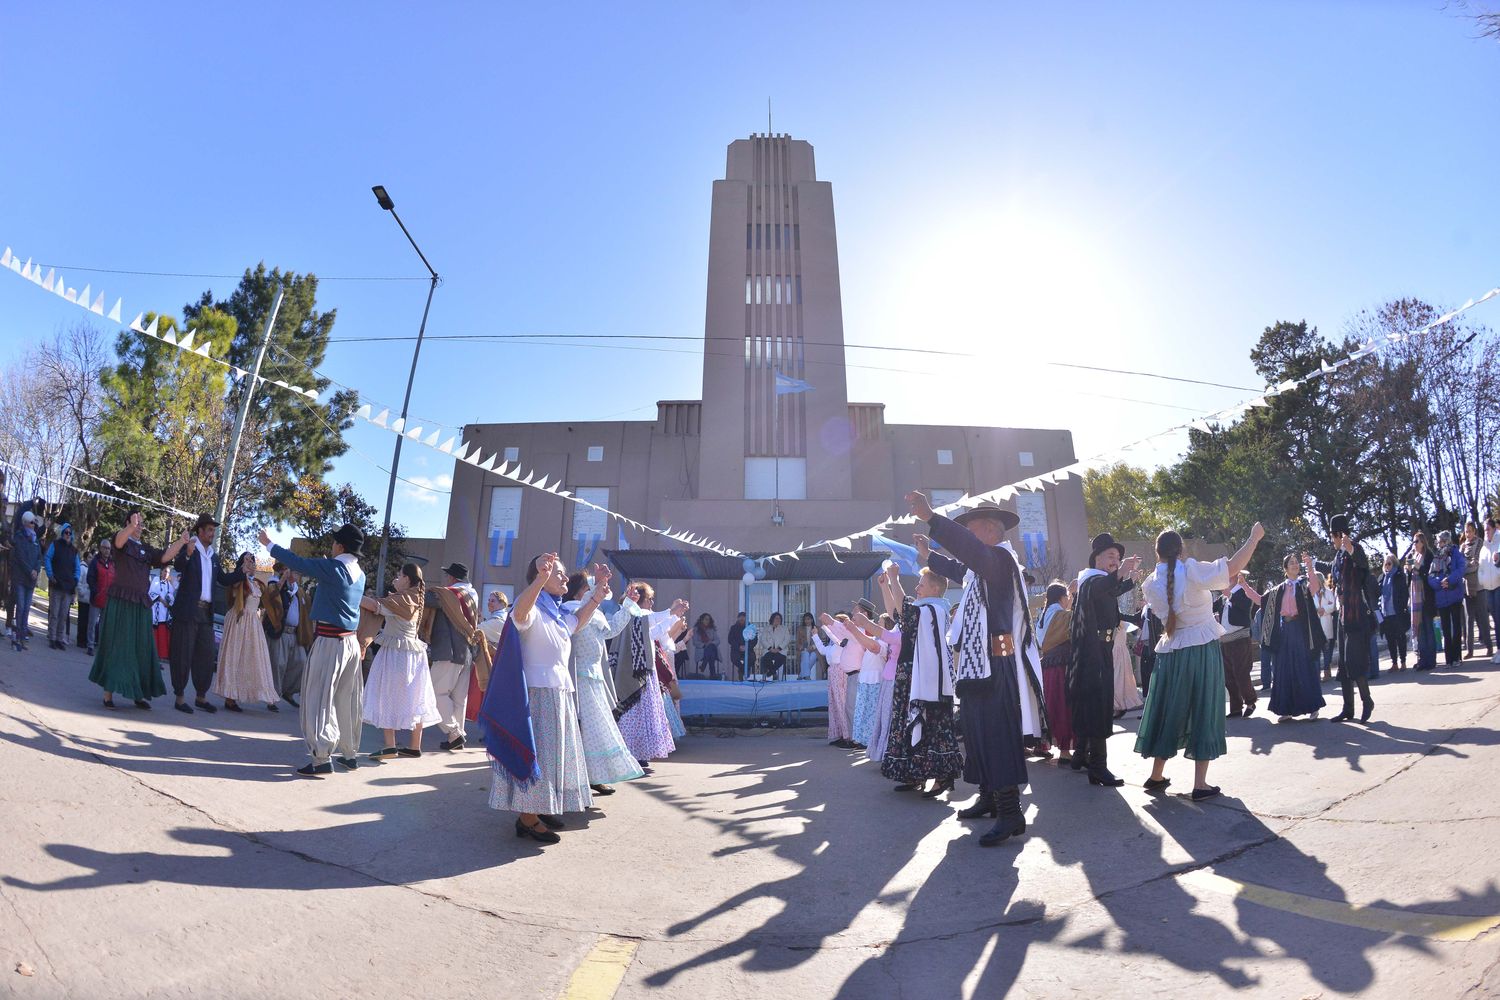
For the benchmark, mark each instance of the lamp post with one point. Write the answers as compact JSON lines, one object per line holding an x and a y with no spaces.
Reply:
{"x":390,"y":493}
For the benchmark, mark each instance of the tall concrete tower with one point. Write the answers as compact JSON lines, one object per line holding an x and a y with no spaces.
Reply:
{"x":774,"y":313}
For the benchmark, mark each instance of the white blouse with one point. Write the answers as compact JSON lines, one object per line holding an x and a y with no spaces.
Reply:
{"x":1192,"y":599}
{"x":873,"y":662}
{"x":546,"y":645}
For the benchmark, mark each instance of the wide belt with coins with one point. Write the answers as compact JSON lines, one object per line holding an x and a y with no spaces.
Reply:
{"x":1106,"y":635}
{"x":1002,"y":645}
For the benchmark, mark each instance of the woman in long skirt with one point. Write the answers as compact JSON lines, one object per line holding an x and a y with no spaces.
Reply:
{"x":1055,"y":627}
{"x":924,"y":744}
{"x":642,"y":711}
{"x":244,"y":657}
{"x":125,"y":662}
{"x":605,"y":754}
{"x":1297,"y":635}
{"x":872,"y":664}
{"x":885,"y":701}
{"x":1127,"y":695}
{"x":399,"y":692}
{"x":1185,"y":709}
{"x":545,"y":632}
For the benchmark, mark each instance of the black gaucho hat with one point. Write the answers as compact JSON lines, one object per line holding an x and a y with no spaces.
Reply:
{"x":204,"y":521}
{"x":991,"y":510}
{"x":1103,"y":542}
{"x":1338,"y":524}
{"x":351,"y":538}
{"x":457,"y":570}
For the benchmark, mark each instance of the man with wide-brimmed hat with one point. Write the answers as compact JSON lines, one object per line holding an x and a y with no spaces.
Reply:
{"x":994,"y":630}
{"x":333,"y":684}
{"x":1091,"y":673}
{"x":450,"y":625}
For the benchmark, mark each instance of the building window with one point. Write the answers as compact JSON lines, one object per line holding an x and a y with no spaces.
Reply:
{"x":589,"y":524}
{"x":799,"y":289}
{"x":596,"y":453}
{"x":749,"y":292}
{"x":1027,"y":459}
{"x":513,"y":454}
{"x":505,"y":521}
{"x":945,"y":456}
{"x":749,"y":238}
{"x":775,"y":478}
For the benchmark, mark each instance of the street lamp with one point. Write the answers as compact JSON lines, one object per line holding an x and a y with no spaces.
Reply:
{"x":390,"y":493}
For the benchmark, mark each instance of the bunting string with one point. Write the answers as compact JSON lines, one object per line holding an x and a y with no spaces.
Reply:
{"x":137,"y":500}
{"x":449,"y":441}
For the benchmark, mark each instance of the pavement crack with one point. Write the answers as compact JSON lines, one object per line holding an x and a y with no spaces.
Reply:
{"x":36,"y":942}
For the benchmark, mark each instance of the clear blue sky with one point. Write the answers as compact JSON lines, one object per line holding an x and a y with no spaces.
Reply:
{"x":1128,"y":185}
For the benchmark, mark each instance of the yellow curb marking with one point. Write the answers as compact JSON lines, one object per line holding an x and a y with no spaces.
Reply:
{"x":599,"y":975}
{"x":1436,"y":926}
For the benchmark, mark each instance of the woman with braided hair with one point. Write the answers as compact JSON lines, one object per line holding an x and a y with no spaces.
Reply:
{"x":1185,"y":707}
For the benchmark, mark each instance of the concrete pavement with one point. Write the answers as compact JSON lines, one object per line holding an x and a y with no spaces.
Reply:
{"x":153,"y":853}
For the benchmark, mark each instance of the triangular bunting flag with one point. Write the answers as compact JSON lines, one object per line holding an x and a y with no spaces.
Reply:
{"x":461,"y":450}
{"x":71,"y":294}
{"x":135,"y":324}
{"x":415,"y":434}
{"x":5,"y":258}
{"x":363,"y":412}
{"x":398,"y":424}
{"x":201,"y":350}
{"x":488,"y":463}
{"x":432,"y":439}
{"x":83,"y":296}
{"x":51,"y":281}
{"x":26,"y":270}
{"x":114,"y":313}
{"x":170,"y":338}
{"x":185,"y":342}
{"x":310,"y":393}
{"x":447,"y":447}
{"x":98,"y":307}
{"x":380,"y":420}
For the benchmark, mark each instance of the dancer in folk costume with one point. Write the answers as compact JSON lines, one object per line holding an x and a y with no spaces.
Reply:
{"x":333,"y":686}
{"x":456,"y":648}
{"x":1298,"y":637}
{"x":838,"y":647}
{"x":605,"y":752}
{"x":924,"y":743}
{"x":398,"y":692}
{"x":872,"y":663}
{"x":994,"y":629}
{"x":1055,"y":627}
{"x":642,"y":712}
{"x":529,"y":716}
{"x":1091,"y":675}
{"x":890,"y":635}
{"x":125,"y":661}
{"x":1185,"y":706}
{"x":1349,"y":572}
{"x":244,"y":672}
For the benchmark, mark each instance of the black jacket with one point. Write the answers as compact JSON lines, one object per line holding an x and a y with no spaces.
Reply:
{"x":190,"y":581}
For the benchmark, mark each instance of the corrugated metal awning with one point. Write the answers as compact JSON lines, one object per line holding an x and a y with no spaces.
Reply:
{"x":677,"y":564}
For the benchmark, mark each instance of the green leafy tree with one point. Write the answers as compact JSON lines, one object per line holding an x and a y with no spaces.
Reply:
{"x":1127,"y":501}
{"x":287,"y":437}
{"x":317,"y":510}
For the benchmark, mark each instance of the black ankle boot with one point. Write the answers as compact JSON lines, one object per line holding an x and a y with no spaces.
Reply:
{"x":1099,"y":773}
{"x":1011,"y":821}
{"x":983,"y":806}
{"x":1080,"y":759}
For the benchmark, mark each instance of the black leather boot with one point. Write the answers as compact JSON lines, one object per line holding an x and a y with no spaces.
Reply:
{"x":983,"y":806}
{"x":1011,"y":821}
{"x":1099,"y":773}
{"x":1080,"y":759}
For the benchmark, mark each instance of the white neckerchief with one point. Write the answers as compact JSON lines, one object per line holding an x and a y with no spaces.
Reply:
{"x":1085,"y":574}
{"x":206,"y":569}
{"x":351,"y":563}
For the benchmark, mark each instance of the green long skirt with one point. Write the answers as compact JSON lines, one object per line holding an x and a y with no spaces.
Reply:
{"x":126,"y":663}
{"x":1185,"y":706}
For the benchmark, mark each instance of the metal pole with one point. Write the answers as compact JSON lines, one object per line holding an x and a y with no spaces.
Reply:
{"x":390,"y":493}
{"x":239,"y":422}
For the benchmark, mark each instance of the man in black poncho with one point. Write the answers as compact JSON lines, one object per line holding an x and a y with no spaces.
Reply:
{"x":1091,"y":674}
{"x":994,"y":628}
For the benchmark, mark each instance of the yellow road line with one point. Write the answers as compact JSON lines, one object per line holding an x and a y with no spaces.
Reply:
{"x":1437,"y":926}
{"x":599,"y":975}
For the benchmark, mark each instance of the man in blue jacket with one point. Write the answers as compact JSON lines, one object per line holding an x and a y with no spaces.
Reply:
{"x":64,"y":569}
{"x":25,"y":565}
{"x":333,"y":685}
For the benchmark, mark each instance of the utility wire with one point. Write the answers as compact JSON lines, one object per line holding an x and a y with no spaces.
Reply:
{"x":185,"y":274}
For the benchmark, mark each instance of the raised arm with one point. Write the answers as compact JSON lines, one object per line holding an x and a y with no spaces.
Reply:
{"x":862,"y":623}
{"x":598,"y":597}
{"x":319,"y":569}
{"x":520,"y":612}
{"x":891,"y":591}
{"x":1241,"y":559}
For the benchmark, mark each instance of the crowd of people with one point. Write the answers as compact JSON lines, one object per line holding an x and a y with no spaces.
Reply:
{"x":575,"y":693}
{"x":935,"y":692}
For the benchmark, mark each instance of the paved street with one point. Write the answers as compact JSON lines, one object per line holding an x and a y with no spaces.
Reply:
{"x":152,"y":853}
